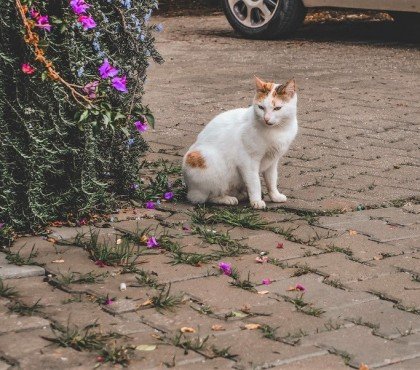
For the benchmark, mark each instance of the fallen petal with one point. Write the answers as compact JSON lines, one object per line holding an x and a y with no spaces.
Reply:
{"x":57,"y":261}
{"x":252,"y":326}
{"x":146,"y":347}
{"x":262,"y":292}
{"x":217,"y":327}
{"x":186,"y":329}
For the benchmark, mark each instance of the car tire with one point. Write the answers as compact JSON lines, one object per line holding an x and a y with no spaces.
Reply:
{"x":284,"y":19}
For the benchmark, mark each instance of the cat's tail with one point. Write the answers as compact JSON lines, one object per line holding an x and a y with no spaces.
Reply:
{"x":195,"y":168}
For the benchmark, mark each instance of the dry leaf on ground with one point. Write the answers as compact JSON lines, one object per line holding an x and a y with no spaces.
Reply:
{"x":252,"y":326}
{"x":186,"y":329}
{"x":217,"y":327}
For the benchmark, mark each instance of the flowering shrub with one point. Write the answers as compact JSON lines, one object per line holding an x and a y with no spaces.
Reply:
{"x":71,"y":117}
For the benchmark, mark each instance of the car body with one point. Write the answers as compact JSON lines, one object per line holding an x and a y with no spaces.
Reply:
{"x":280,"y":18}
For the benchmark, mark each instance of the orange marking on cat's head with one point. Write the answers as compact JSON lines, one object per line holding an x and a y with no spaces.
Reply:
{"x":195,"y":160}
{"x":263,"y":89}
{"x":285,"y":92}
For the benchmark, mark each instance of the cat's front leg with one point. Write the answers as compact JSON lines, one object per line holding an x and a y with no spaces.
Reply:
{"x":270,"y":176}
{"x":252,"y":181}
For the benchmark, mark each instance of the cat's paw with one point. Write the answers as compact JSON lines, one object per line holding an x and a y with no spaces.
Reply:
{"x":278,"y":197}
{"x":258,"y":204}
{"x":228,"y":200}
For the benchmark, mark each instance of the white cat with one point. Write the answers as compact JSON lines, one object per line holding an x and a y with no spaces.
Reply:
{"x":225,"y":162}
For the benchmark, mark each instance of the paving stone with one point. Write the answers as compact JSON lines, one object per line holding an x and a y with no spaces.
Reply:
{"x":184,"y":316}
{"x":4,"y":365}
{"x":15,"y":323}
{"x":407,"y":262}
{"x":9,"y":271}
{"x":363,"y":347}
{"x":270,"y":353}
{"x":337,"y":266}
{"x":216,"y":363}
{"x":362,"y":248}
{"x":386,"y":320}
{"x":216,"y":292}
{"x":321,"y":295}
{"x":17,"y":345}
{"x":412,"y":364}
{"x":325,"y":362}
{"x":57,"y":358}
{"x":399,"y":287}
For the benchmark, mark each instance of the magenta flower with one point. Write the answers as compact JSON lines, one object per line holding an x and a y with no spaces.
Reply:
{"x":108,"y":300}
{"x":79,"y":6}
{"x":2,"y":225}
{"x":226,"y":268}
{"x":152,"y":242}
{"x":141,"y":126}
{"x":87,"y":22}
{"x":280,"y":245}
{"x":34,"y":14}
{"x":119,"y":83}
{"x":91,"y":89}
{"x":300,"y":287}
{"x":169,"y":195}
{"x":43,"y":22}
{"x":266,"y":281}
{"x":150,"y":204}
{"x":27,"y":68}
{"x":107,"y":70}
{"x":186,"y":227}
{"x":100,"y":263}
{"x":261,"y":259}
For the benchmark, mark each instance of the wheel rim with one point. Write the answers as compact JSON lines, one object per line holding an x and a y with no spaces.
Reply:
{"x":253,"y":13}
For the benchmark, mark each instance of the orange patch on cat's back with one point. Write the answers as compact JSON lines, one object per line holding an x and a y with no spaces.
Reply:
{"x":195,"y":159}
{"x":263,"y":93}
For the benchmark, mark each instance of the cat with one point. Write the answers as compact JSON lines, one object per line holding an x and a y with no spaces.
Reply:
{"x":223,"y":166}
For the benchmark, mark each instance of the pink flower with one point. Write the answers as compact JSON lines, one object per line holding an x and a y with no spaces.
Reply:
{"x":266,"y":281}
{"x":150,"y":204}
{"x":120,"y":83}
{"x":34,"y":14}
{"x":300,"y":287}
{"x":152,"y":242}
{"x":27,"y":68}
{"x":43,"y":22}
{"x":91,"y":89}
{"x":87,"y":22}
{"x":186,"y":228}
{"x":107,"y":70}
{"x":261,"y":259}
{"x":108,"y":300}
{"x":169,"y":195}
{"x":226,"y":268}
{"x":79,"y":6}
{"x":280,"y":245}
{"x":141,"y":126}
{"x":100,"y":263}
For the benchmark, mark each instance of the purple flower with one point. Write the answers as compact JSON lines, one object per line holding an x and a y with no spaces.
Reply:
{"x":2,"y":225}
{"x":79,"y":6}
{"x":226,"y":268}
{"x":300,"y":287}
{"x":152,"y":242}
{"x":150,"y":205}
{"x":91,"y":89}
{"x":34,"y":14}
{"x":107,"y":70}
{"x":86,"y":21}
{"x":141,"y":126}
{"x":266,"y":281}
{"x":130,"y":142}
{"x":43,"y":22}
{"x":159,"y":27}
{"x":134,"y":186}
{"x":119,"y":83}
{"x":169,"y":195}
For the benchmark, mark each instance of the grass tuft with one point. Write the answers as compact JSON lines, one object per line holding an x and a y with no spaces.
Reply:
{"x":164,"y":300}
{"x":7,"y":291}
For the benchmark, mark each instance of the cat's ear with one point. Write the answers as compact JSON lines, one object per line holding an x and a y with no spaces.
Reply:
{"x":260,"y":84}
{"x":288,"y":90}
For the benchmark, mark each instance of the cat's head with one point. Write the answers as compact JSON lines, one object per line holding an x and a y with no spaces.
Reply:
{"x":275,"y":104}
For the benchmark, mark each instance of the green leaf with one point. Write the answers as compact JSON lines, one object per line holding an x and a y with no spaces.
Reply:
{"x":239,"y":314}
{"x":125,"y":131}
{"x":119,"y":116}
{"x":84,"y":115}
{"x":146,"y":347}
{"x":150,"y":119}
{"x":44,"y":75}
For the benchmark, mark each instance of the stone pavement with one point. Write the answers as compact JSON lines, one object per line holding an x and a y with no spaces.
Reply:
{"x":329,"y":280}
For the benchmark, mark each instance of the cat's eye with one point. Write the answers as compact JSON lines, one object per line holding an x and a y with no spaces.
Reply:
{"x":277,"y":108}
{"x":261,"y":107}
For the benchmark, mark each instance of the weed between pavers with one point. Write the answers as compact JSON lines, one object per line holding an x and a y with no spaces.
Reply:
{"x":17,"y":259}
{"x":269,"y":332}
{"x":194,"y":343}
{"x":87,"y":338}
{"x":245,"y":284}
{"x":302,"y":270}
{"x":359,"y":321}
{"x":166,"y":301}
{"x":105,"y":253}
{"x":224,"y":353}
{"x":147,"y":278}
{"x":294,"y":338}
{"x":80,"y":278}
{"x":333,"y":248}
{"x":334,"y":283}
{"x":25,"y":310}
{"x":303,"y":306}
{"x":7,"y":291}
{"x":116,"y":354}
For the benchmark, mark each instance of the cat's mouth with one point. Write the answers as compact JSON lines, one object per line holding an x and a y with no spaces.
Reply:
{"x":268,"y":123}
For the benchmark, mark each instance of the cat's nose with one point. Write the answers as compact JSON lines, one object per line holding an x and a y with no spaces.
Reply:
{"x":266,"y":118}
